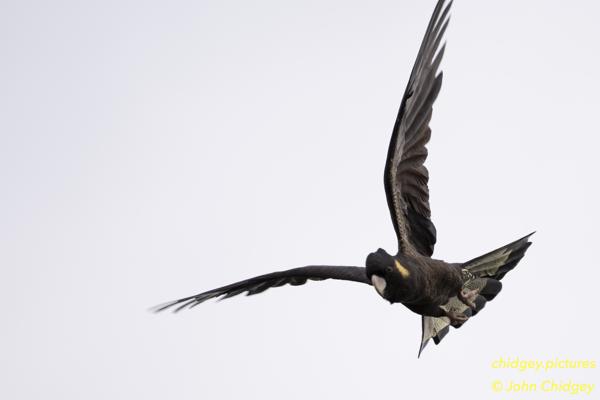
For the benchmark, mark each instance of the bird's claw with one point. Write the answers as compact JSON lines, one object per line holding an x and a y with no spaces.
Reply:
{"x":456,"y":319}
{"x":468,"y":297}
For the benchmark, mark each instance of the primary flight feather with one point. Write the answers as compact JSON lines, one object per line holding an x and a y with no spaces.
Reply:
{"x":444,"y":294}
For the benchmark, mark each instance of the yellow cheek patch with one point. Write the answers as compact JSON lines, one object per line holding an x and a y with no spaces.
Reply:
{"x":402,"y":269}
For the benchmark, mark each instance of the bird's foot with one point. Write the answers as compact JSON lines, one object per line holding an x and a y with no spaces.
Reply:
{"x":468,"y":297}
{"x":456,"y":319}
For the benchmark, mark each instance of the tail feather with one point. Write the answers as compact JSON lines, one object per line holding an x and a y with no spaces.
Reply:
{"x":497,"y":263}
{"x":490,"y":289}
{"x":487,"y":271}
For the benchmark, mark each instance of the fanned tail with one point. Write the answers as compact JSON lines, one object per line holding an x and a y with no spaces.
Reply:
{"x":497,"y":263}
{"x":484,"y":274}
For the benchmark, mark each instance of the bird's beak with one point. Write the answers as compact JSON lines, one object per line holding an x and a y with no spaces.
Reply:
{"x":379,"y":284}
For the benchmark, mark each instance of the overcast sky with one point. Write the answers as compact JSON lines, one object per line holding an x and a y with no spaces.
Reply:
{"x":151,"y":150}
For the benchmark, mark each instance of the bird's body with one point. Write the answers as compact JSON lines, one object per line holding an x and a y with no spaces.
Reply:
{"x":430,"y":284}
{"x":443,"y":293}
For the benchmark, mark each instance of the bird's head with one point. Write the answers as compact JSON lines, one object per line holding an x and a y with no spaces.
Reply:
{"x":386,"y":273}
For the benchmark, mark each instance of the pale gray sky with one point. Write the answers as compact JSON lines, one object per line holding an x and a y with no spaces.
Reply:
{"x":151,"y":150}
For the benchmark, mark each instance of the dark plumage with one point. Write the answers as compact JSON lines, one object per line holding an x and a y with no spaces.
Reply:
{"x":443,"y":293}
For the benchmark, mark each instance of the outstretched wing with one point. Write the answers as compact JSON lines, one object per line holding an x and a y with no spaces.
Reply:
{"x":405,"y":175}
{"x":258,"y":284}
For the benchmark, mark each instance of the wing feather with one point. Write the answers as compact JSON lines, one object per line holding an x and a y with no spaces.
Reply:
{"x":258,"y":284}
{"x":406,"y":177}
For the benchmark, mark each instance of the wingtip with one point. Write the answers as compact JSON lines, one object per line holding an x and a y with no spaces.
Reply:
{"x":161,"y":307}
{"x":444,"y":5}
{"x":165,"y":306}
{"x":184,"y":305}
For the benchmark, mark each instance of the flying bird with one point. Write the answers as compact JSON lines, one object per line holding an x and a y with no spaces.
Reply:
{"x":444,"y":294}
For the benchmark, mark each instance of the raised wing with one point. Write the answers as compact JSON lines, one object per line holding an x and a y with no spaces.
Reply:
{"x":258,"y":284}
{"x":405,"y":175}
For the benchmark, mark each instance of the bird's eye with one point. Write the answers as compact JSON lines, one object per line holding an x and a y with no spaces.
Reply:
{"x":389,"y":269}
